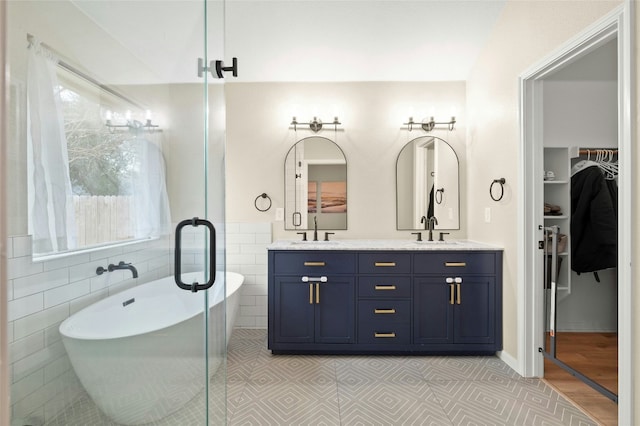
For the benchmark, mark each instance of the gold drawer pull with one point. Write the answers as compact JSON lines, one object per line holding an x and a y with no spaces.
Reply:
{"x":384,"y":335}
{"x":385,"y":264}
{"x":452,"y":295}
{"x":385,"y":287}
{"x":315,"y":264}
{"x":455,"y":264}
{"x":384,"y":311}
{"x":310,"y":293}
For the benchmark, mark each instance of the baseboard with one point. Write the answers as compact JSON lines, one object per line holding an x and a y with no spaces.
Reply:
{"x":510,"y":361}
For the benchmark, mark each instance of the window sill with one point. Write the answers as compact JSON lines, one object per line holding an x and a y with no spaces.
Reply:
{"x":88,"y":250}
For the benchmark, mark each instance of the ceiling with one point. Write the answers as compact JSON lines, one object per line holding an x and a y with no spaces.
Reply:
{"x":303,"y":40}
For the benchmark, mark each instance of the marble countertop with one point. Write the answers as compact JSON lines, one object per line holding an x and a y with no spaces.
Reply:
{"x":381,"y":245}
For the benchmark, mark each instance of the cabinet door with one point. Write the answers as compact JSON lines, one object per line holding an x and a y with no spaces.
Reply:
{"x":474,"y":317}
{"x":432,"y":311}
{"x":294,"y":307}
{"x":335,"y":310}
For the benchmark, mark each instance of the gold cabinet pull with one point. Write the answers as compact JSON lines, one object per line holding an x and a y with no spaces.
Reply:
{"x":451,"y":295}
{"x":458,"y":293}
{"x":315,"y":264}
{"x":384,"y":335}
{"x":458,"y":264}
{"x":384,"y":311}
{"x":385,"y":287}
{"x":310,"y":293}
{"x":317,"y":292}
{"x":385,"y":264}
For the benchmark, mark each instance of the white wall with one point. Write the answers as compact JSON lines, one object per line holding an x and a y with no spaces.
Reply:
{"x":523,"y":35}
{"x":258,"y":138}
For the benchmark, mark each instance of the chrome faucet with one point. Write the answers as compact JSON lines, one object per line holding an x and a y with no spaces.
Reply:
{"x":432,"y":222}
{"x":123,"y":265}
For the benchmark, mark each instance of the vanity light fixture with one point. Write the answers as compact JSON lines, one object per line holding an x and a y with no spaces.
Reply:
{"x":130,"y":124}
{"x":430,"y":124}
{"x":316,"y":124}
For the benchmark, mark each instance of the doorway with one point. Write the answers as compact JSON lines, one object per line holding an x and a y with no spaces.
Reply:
{"x":541,"y":152}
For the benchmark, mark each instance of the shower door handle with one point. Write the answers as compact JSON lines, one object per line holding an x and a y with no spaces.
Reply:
{"x":212,"y":255}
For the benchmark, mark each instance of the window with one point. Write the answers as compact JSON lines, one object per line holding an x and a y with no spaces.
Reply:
{"x":89,"y":184}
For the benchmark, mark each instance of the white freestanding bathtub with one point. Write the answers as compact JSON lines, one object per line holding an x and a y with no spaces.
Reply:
{"x":140,"y":353}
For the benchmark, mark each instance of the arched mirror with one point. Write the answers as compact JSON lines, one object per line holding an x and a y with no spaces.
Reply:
{"x":427,"y":184}
{"x":315,"y":185}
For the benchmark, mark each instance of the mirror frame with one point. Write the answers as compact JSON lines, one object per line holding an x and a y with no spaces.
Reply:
{"x":438,"y":227}
{"x":292,"y":227}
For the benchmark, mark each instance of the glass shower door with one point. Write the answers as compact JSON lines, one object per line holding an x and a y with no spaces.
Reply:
{"x":100,"y":333}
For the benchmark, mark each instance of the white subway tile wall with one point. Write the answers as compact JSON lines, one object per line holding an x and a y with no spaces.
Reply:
{"x":247,"y":254}
{"x":42,"y":294}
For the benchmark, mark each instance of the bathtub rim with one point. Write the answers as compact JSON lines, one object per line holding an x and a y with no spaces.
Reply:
{"x":238,"y":280}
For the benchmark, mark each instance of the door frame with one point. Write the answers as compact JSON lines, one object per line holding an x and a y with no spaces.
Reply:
{"x":530,"y":300}
{"x":5,"y":406}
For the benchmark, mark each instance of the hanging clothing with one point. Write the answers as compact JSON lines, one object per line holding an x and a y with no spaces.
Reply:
{"x":430,"y":208}
{"x":594,"y":222}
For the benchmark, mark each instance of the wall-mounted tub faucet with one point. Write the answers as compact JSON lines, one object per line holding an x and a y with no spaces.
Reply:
{"x":121,"y":265}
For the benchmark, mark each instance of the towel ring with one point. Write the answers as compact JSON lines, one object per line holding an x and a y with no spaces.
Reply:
{"x":501,"y":181}
{"x":263,"y":195}
{"x":438,"y":195}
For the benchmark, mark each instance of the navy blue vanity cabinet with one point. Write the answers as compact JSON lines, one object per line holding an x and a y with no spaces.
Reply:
{"x":311,"y":299}
{"x":394,"y":301}
{"x":457,"y":301}
{"x":384,"y":298}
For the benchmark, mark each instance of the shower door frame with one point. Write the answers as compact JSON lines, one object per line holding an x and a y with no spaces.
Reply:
{"x":218,"y":161}
{"x":5,"y":407}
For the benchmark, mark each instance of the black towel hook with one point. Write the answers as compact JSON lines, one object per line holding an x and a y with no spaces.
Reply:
{"x":501,"y":181}
{"x":263,"y":195}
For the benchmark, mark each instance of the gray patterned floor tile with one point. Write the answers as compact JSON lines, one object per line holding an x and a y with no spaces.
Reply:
{"x":509,"y":403}
{"x":368,"y":369}
{"x":263,"y":390}
{"x":488,"y":368}
{"x":288,"y":403}
{"x":300,"y":368}
{"x":383,"y":403}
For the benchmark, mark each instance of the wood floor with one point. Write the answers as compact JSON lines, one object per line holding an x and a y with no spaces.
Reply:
{"x":596,"y":356}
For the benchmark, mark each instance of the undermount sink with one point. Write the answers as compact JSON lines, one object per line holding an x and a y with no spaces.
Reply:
{"x":435,"y":244}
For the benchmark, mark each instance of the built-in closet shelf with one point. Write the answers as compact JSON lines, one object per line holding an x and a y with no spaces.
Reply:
{"x":558,"y":192}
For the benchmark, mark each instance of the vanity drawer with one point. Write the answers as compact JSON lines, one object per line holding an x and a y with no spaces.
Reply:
{"x":383,"y":312}
{"x":305,"y":262}
{"x":384,"y":286}
{"x":455,"y":263}
{"x":384,"y":263}
{"x":389,"y":334}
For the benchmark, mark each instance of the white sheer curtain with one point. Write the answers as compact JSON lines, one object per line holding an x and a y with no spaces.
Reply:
{"x":51,"y":211}
{"x":151,"y":215}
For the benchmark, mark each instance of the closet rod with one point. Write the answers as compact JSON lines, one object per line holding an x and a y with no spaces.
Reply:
{"x":596,"y":150}
{"x":77,"y":72}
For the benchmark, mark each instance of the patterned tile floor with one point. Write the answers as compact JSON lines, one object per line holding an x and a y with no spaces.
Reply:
{"x":265,"y":389}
